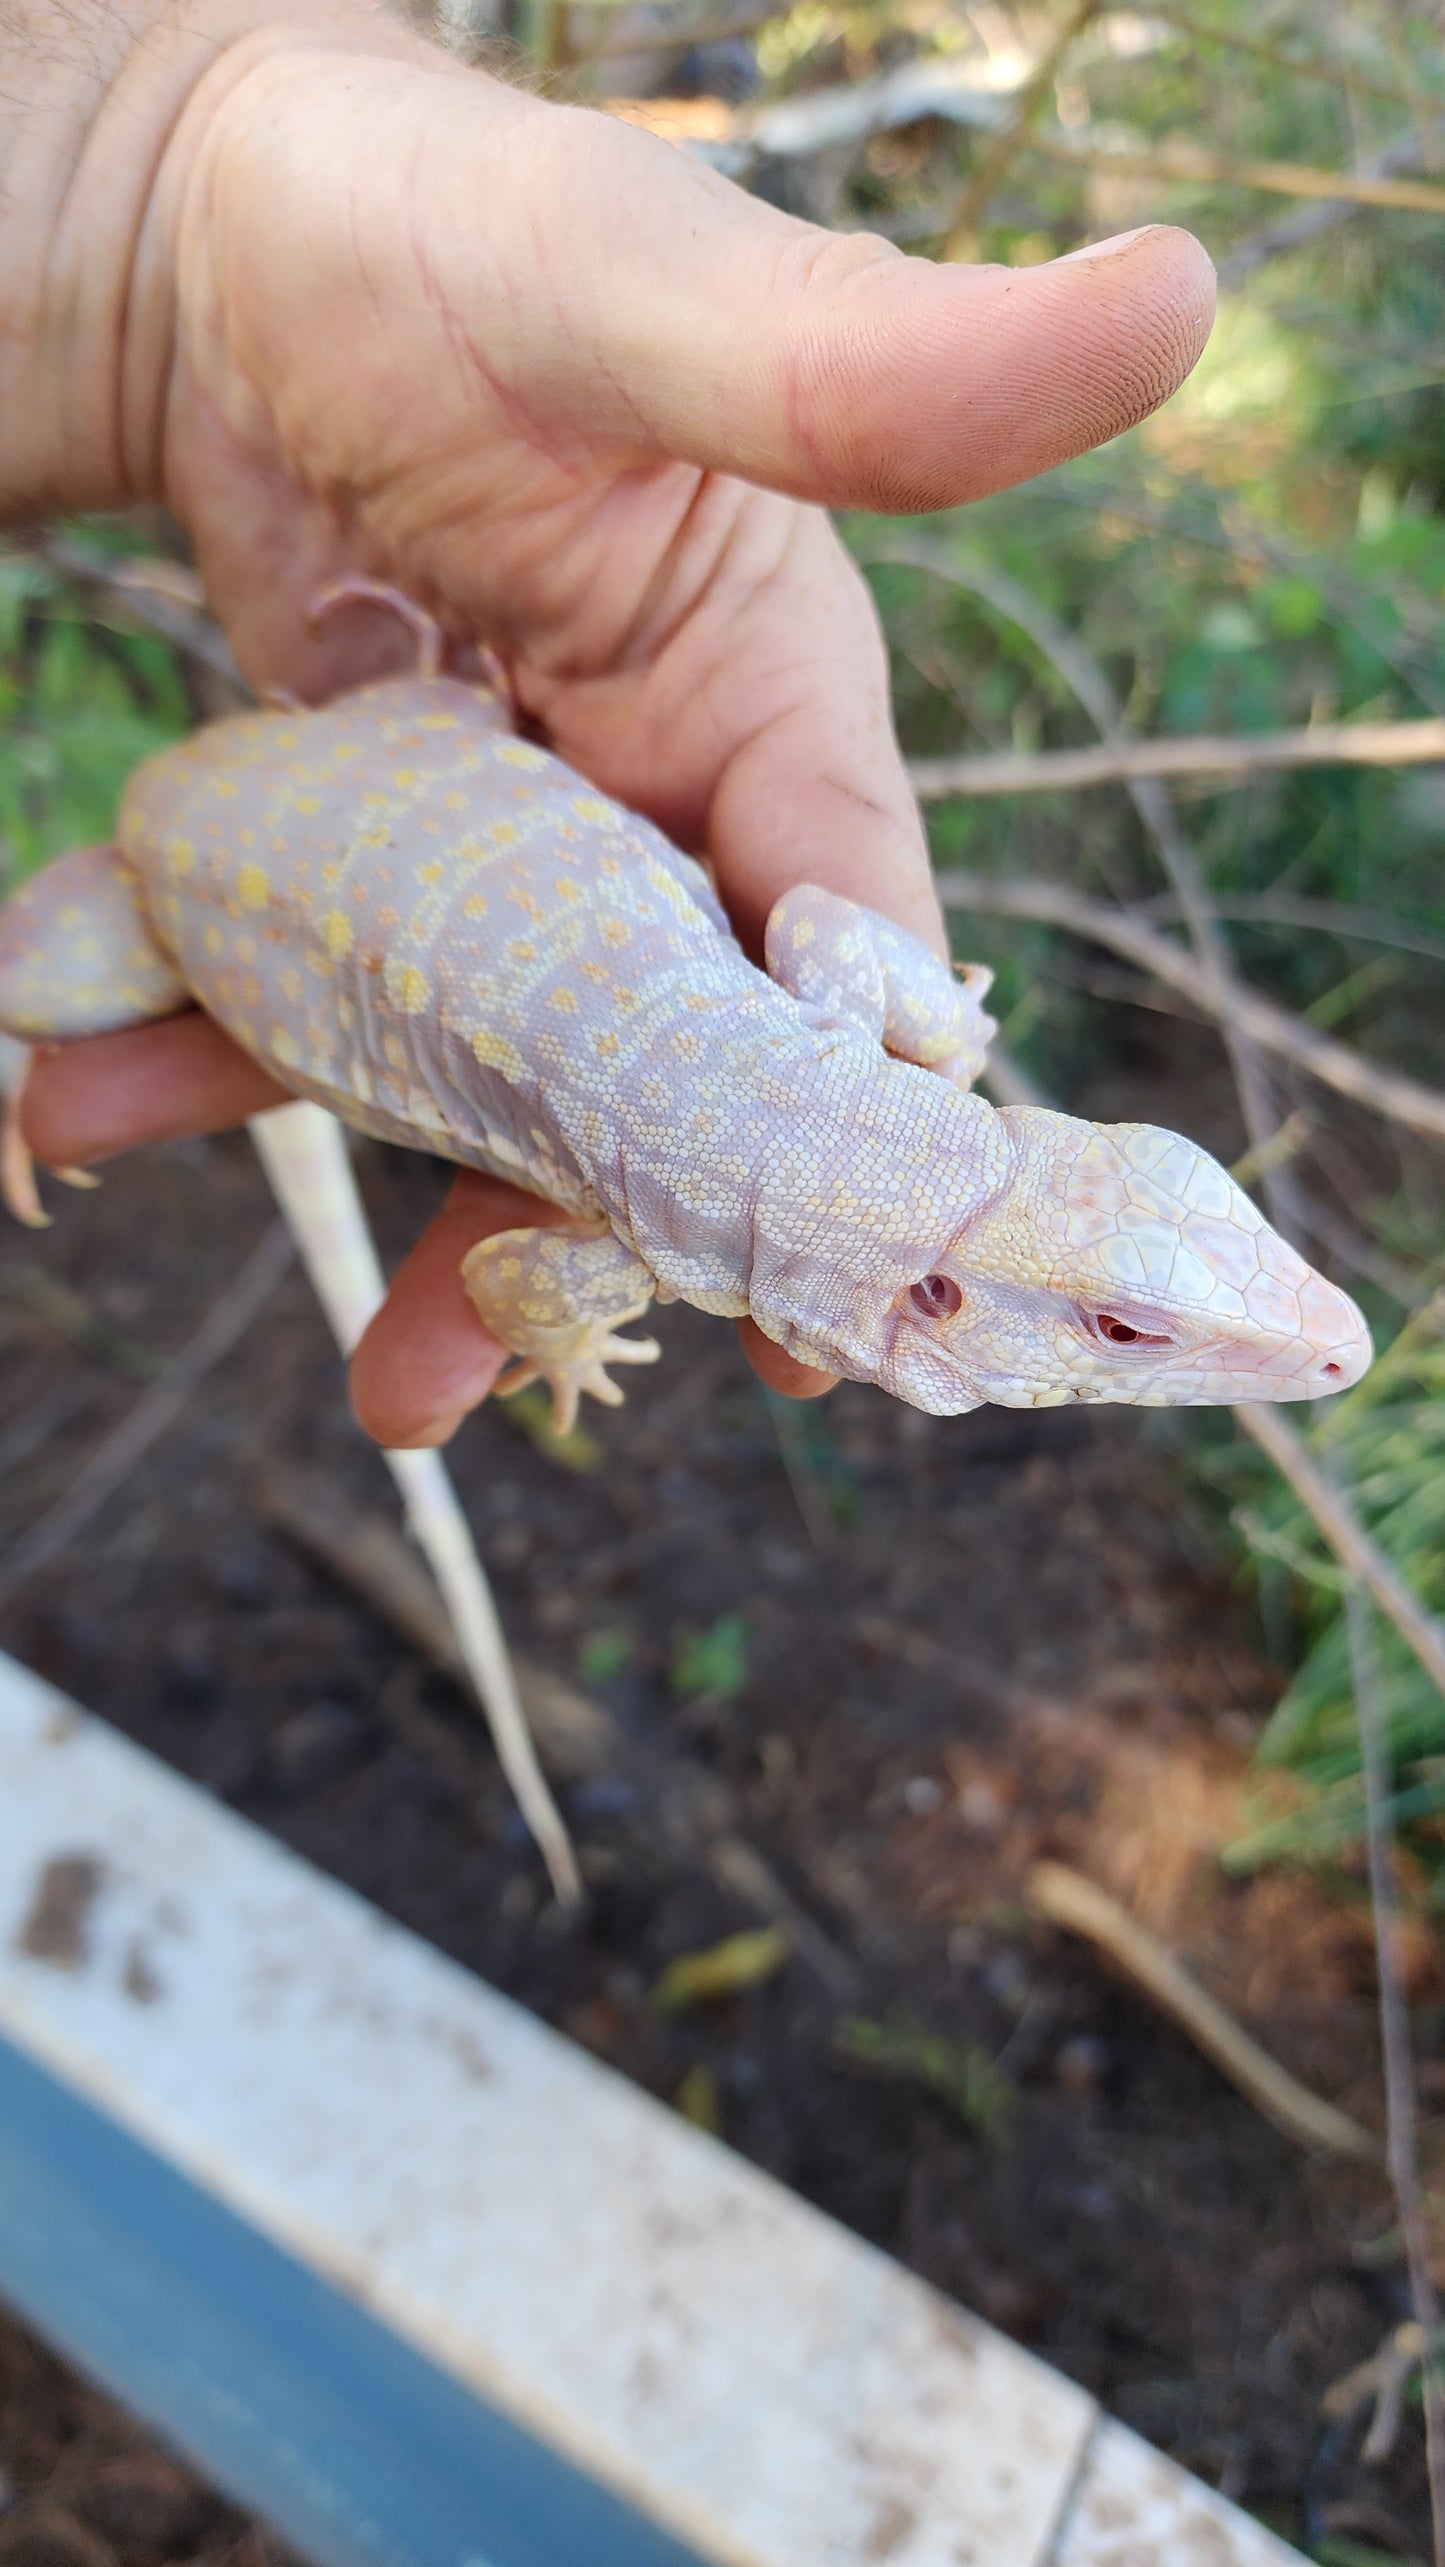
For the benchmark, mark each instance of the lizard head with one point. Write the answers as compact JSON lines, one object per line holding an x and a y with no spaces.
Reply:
{"x":1117,"y":1262}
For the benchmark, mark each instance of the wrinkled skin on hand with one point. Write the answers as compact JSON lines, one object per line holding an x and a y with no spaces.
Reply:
{"x":588,"y":402}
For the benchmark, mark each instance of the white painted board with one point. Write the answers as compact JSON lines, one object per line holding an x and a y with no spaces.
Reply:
{"x":1134,"y":2508}
{"x":742,"y":2369}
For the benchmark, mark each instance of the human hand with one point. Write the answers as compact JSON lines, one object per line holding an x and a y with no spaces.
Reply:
{"x":587,"y":401}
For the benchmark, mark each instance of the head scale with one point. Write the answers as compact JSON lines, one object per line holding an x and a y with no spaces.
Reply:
{"x":1116,"y":1262}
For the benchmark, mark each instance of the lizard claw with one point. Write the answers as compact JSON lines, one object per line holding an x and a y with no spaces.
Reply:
{"x":18,"y":1189}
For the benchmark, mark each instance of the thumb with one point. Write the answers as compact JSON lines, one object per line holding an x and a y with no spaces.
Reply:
{"x":485,"y":273}
{"x":828,"y":365}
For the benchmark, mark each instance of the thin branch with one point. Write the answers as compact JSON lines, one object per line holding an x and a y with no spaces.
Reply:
{"x":999,"y":154}
{"x":1124,"y":761}
{"x":1401,"y":2117}
{"x":154,"y":1413}
{"x":1387,"y":1092}
{"x":1355,"y":1548}
{"x":1312,"y":222}
{"x":793,"y":128}
{"x":161,"y":595}
{"x":680,"y":1806}
{"x":1329,"y":917}
{"x":1179,"y":162}
{"x":1082,"y":672}
{"x":304,"y":1154}
{"x":1068,"y":1898}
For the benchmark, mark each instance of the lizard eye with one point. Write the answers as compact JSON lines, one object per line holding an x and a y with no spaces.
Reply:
{"x":1122,"y":1332}
{"x":937,"y":1297}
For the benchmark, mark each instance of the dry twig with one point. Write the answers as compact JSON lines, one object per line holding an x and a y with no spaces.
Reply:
{"x":159,"y":594}
{"x":1329,"y":917}
{"x":1083,"y":674}
{"x":794,"y":128}
{"x":304,"y":1153}
{"x":1067,"y":1898}
{"x":997,"y":156}
{"x":1179,"y":162}
{"x":1388,"y":1092}
{"x":1123,"y":761}
{"x":1312,"y":222}
{"x":684,"y":1807}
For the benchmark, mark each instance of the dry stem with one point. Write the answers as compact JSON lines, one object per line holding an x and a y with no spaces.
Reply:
{"x":1001,"y":150}
{"x":1067,"y":1898}
{"x":1388,"y":1092}
{"x":304,"y":1154}
{"x":1082,"y":672}
{"x":1120,"y":761}
{"x":1180,"y":162}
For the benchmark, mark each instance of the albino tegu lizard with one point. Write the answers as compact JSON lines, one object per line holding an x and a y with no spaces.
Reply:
{"x":434,"y":928}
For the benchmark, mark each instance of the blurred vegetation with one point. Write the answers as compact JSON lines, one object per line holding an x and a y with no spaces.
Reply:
{"x":1269,"y":551}
{"x":1386,"y":1443}
{"x":82,"y":701}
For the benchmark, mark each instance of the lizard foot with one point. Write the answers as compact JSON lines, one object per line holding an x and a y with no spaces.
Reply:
{"x":856,"y":968}
{"x":18,"y":1190}
{"x":557,"y":1300}
{"x":579,"y":1365}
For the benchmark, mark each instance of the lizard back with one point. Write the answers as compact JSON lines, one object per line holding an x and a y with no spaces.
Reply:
{"x":438,"y":931}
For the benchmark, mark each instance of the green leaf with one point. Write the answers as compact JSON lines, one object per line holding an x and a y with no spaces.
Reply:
{"x":713,"y":1662}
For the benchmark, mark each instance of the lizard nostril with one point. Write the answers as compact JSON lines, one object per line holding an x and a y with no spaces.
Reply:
{"x":1331,"y":1372}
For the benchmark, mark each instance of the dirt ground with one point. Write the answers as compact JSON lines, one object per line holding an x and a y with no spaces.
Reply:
{"x":859,"y":1668}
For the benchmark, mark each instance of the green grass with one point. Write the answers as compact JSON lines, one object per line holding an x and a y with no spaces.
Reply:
{"x":1385,"y":1443}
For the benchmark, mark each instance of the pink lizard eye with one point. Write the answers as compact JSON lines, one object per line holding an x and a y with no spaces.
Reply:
{"x":937,"y":1297}
{"x":1122,"y":1332}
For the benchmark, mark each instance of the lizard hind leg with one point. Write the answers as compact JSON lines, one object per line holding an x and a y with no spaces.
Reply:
{"x":557,"y":1299}
{"x":856,"y":968}
{"x":78,"y":955}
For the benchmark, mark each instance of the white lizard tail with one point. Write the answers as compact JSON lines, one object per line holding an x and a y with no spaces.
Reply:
{"x":304,"y":1153}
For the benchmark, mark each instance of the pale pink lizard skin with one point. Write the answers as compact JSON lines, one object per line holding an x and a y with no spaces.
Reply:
{"x":441,"y":933}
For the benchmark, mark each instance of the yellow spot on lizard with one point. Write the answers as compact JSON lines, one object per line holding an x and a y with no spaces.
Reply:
{"x":495,"y":1053}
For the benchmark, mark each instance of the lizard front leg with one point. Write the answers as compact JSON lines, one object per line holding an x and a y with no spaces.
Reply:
{"x":857,"y":968}
{"x":556,"y":1299}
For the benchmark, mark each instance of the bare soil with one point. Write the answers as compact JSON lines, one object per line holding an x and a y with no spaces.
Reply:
{"x":961,"y":1645}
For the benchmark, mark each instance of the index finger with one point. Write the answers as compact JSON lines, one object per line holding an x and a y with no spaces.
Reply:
{"x":89,"y":1100}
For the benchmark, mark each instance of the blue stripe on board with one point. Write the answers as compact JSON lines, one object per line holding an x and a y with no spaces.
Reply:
{"x":281,"y":2391}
